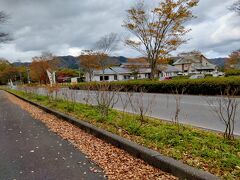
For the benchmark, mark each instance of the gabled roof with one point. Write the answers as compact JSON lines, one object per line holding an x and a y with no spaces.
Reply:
{"x":172,"y":69}
{"x":112,"y":71}
{"x":183,"y":60}
{"x":134,"y":64}
{"x":168,"y":68}
{"x":189,"y":59}
{"x":144,"y":70}
{"x":120,"y":70}
{"x":205,"y":67}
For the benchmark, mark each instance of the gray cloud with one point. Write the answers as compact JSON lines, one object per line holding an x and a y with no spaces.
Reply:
{"x":65,"y":27}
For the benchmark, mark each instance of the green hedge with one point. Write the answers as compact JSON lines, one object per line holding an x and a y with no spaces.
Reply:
{"x":208,"y":86}
{"x":232,"y":73}
{"x":180,"y":77}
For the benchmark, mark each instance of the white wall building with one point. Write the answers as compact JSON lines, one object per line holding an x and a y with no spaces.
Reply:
{"x":168,"y":71}
{"x":118,"y":74}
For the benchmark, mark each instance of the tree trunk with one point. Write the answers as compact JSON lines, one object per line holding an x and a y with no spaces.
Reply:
{"x":90,"y":77}
{"x":153,"y":68}
{"x":152,"y":63}
{"x":103,"y":74}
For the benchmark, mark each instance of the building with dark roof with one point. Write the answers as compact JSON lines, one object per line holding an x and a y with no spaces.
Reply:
{"x":194,"y":63}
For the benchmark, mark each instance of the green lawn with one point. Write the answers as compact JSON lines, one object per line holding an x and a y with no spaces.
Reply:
{"x":202,"y":149}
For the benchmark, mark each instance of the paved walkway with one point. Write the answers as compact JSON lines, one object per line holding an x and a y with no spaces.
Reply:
{"x":28,"y":150}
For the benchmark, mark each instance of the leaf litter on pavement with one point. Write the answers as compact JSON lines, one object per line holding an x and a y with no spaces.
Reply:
{"x":116,"y":163}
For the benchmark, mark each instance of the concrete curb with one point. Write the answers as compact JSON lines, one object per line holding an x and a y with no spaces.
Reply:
{"x":174,"y":167}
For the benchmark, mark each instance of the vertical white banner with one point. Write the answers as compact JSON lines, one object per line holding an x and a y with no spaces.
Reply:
{"x":54,"y":77}
{"x":50,"y":77}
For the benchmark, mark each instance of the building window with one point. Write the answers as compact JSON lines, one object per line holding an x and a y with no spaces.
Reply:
{"x":115,"y":77}
{"x":126,"y":77}
{"x":106,"y":78}
{"x":147,"y":75}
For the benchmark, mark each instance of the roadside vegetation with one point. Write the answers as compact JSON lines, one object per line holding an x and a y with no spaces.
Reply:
{"x":205,"y":150}
{"x":207,"y":86}
{"x":233,"y":72}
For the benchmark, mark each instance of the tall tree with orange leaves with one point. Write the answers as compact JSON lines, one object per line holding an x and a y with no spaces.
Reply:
{"x":40,"y":65}
{"x":158,"y":30}
{"x":233,"y":61}
{"x":88,"y":62}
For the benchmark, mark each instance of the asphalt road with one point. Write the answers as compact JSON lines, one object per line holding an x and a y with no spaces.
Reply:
{"x":29,"y":151}
{"x":195,"y":110}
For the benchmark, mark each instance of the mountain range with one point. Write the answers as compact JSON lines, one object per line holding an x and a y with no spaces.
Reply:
{"x":73,"y":62}
{"x":220,"y":62}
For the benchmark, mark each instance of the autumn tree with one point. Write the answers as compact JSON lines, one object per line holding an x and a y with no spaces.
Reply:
{"x":23,"y":74}
{"x":88,"y":62}
{"x":165,"y":61}
{"x":8,"y":71}
{"x":158,"y":30}
{"x":4,"y":66}
{"x":67,"y":72}
{"x":234,"y":60}
{"x":40,"y":65}
{"x":103,"y":48}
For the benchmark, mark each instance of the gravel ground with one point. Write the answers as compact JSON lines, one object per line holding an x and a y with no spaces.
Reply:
{"x":116,"y":163}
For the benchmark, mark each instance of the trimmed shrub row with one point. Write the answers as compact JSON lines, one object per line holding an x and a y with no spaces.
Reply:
{"x":232,"y":73}
{"x":208,"y":86}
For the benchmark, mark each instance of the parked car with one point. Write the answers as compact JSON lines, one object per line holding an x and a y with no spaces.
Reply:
{"x":197,"y":76}
{"x":218,"y":74}
{"x":183,"y":74}
{"x":166,"y":78}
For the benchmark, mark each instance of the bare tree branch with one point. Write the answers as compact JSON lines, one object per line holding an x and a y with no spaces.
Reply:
{"x":236,"y":7}
{"x":225,"y":108}
{"x":4,"y":37}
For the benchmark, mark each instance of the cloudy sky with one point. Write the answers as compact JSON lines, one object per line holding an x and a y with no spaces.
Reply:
{"x":64,"y":27}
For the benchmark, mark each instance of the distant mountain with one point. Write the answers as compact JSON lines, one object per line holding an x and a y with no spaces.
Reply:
{"x":18,"y":64}
{"x":220,"y":62}
{"x":72,"y":62}
{"x":121,"y":59}
{"x":64,"y":62}
{"x":116,"y":61}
